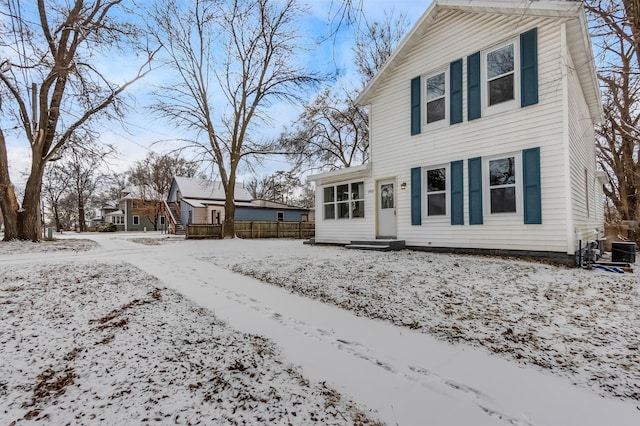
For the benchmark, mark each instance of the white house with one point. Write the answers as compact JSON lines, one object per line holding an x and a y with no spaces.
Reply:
{"x":482,"y":136}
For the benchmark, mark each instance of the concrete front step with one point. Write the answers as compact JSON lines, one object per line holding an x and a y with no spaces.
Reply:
{"x":380,"y":245}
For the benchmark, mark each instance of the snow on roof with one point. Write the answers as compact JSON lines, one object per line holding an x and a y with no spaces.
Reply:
{"x":199,"y":202}
{"x":116,"y":213}
{"x":208,"y":190}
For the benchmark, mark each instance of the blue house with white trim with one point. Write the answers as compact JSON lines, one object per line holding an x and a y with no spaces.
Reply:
{"x":201,"y":201}
{"x":481,"y":135}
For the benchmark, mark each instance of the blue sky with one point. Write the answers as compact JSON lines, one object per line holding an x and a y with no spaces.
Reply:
{"x":145,"y":132}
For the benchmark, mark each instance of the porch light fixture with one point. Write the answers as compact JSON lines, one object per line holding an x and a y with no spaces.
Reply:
{"x":403,"y":185}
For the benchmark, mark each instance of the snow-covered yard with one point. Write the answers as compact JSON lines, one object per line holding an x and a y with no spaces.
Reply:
{"x":144,"y":328}
{"x":580,"y":324}
{"x":86,"y":343}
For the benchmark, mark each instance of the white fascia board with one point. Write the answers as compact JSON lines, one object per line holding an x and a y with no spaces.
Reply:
{"x":346,"y":173}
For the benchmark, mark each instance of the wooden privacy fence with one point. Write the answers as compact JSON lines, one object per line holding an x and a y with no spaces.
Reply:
{"x":256,"y":229}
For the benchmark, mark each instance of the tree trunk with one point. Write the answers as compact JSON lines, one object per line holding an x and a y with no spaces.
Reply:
{"x":29,"y":219}
{"x":230,"y":209}
{"x":56,"y":216}
{"x":82,"y":226}
{"x":8,"y":201}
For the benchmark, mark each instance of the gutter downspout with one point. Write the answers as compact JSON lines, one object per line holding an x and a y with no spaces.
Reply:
{"x":126,"y":214}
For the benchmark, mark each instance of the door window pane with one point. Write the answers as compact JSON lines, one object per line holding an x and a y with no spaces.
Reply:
{"x":386,"y":196}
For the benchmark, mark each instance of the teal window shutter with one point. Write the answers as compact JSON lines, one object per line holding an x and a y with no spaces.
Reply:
{"x":416,"y":196}
{"x":531,"y":186}
{"x":529,"y":68}
{"x":415,"y":106}
{"x":455,"y":83}
{"x":473,"y":87}
{"x":475,"y":191}
{"x":457,"y":193}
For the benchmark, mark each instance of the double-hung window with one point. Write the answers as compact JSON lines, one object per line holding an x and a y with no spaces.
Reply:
{"x":436,"y":192}
{"x":436,"y":97}
{"x":502,"y":185}
{"x":501,"y":76}
{"x":344,"y":201}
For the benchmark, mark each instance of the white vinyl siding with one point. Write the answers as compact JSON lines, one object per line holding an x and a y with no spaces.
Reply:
{"x":344,"y":231}
{"x":586,"y":207}
{"x":394,"y":152}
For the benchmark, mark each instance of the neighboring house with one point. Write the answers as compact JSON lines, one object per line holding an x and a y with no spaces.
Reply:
{"x":137,"y":212}
{"x":199,"y":201}
{"x":482,"y":136}
{"x":100,"y":215}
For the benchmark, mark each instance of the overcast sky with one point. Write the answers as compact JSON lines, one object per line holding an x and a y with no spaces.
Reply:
{"x":145,"y":132}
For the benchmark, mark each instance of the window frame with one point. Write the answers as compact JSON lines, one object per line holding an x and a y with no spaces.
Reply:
{"x":426,"y":192}
{"x":349,"y":201}
{"x":280,"y":216}
{"x":447,"y":99}
{"x":484,"y":81}
{"x":136,"y":219}
{"x":518,"y":185}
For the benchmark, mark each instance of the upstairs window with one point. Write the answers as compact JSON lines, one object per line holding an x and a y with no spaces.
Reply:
{"x":436,"y":192}
{"x":502,"y":185}
{"x":436,"y":98}
{"x":501,"y":74}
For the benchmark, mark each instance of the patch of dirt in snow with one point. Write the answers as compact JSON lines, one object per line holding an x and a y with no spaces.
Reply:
{"x":156,"y":241}
{"x":580,"y":324}
{"x":21,"y":247}
{"x":94,"y":342}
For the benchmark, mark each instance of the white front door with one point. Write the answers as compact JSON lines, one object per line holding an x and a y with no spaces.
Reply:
{"x":386,"y":209}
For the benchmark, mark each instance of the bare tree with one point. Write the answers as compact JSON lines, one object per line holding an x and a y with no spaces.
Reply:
{"x":234,"y":58}
{"x":618,"y":142}
{"x":152,"y":178}
{"x":155,"y":173}
{"x":82,"y":166}
{"x":331,"y":133}
{"x":55,"y":186}
{"x":632,"y":12}
{"x":261,"y":188}
{"x":56,"y":87}
{"x":377,"y":41}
